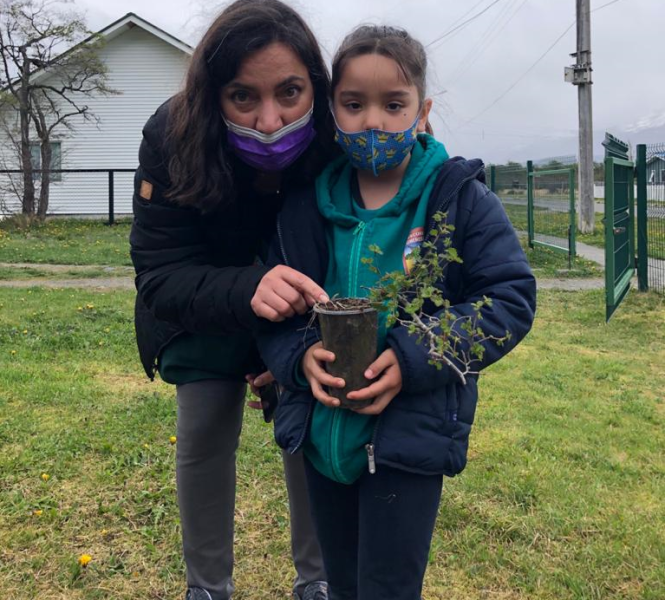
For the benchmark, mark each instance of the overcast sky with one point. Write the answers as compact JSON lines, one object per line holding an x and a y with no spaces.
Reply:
{"x":473,"y":67}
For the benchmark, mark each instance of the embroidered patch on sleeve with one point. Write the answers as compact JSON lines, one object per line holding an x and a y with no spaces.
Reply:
{"x":146,"y":190}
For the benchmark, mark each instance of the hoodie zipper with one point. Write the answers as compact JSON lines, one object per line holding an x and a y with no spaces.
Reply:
{"x":356,"y":250}
{"x":338,"y":415}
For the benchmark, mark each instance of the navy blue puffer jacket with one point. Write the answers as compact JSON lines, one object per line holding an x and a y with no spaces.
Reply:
{"x":425,"y":429}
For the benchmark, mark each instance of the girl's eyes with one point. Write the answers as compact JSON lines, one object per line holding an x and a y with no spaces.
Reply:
{"x":390,"y":107}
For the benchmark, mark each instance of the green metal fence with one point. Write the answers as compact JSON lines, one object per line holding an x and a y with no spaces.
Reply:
{"x":551,"y":207}
{"x":509,"y":182}
{"x":651,"y":216}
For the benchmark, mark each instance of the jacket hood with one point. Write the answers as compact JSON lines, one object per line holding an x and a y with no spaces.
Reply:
{"x":334,"y":184}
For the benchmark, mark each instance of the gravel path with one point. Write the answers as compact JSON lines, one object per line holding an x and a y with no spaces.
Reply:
{"x":127,"y":283}
{"x":102,"y":283}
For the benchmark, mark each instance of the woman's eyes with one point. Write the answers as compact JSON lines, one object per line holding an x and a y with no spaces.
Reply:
{"x":292,"y":92}
{"x":240,"y":97}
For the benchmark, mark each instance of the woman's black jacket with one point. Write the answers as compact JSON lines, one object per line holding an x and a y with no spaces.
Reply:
{"x":195,"y":272}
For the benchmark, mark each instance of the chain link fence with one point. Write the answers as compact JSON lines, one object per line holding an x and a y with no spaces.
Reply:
{"x":655,"y":221}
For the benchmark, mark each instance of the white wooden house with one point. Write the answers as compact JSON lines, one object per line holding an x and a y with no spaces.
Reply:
{"x":147,"y":66}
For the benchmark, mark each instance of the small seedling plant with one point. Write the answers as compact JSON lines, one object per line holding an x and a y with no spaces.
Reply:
{"x":452,"y":340}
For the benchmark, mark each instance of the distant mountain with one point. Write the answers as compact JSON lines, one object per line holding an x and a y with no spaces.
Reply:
{"x":646,"y":131}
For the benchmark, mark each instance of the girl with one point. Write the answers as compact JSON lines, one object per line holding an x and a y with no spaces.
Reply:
{"x":375,"y":474}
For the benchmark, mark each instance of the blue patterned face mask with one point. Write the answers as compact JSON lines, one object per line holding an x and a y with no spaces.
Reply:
{"x":377,"y":150}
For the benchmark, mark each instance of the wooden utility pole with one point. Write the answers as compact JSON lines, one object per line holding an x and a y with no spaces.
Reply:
{"x":580,"y":75}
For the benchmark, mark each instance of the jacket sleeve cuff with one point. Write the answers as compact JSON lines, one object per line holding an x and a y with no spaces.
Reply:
{"x":246,"y":314}
{"x":418,"y":375}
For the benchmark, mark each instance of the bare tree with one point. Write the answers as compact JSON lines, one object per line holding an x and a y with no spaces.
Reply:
{"x":50,"y":67}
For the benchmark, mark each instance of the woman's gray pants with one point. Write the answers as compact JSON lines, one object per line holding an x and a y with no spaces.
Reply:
{"x":209,"y":423}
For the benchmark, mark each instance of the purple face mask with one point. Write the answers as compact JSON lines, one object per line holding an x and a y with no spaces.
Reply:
{"x":276,"y":151}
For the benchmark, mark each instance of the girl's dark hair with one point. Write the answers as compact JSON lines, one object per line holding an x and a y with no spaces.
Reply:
{"x":391,"y":42}
{"x":202,"y":170}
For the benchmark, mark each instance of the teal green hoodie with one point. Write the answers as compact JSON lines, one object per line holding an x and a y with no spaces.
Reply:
{"x":336,"y":444}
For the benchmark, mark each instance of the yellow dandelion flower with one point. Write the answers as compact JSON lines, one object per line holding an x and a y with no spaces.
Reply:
{"x":38,"y":512}
{"x":45,"y":476}
{"x":80,"y":308}
{"x":173,"y":439}
{"x":13,"y":352}
{"x":25,"y":331}
{"x":101,"y":343}
{"x":90,"y":306}
{"x":107,"y":329}
{"x":103,"y":532}
{"x":84,"y":559}
{"x":146,"y":446}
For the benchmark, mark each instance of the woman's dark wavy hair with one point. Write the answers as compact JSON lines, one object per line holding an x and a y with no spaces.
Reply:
{"x":391,"y":42}
{"x":202,"y":170}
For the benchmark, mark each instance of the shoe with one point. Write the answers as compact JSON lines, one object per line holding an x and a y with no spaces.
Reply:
{"x":317,"y":590}
{"x":197,"y":593}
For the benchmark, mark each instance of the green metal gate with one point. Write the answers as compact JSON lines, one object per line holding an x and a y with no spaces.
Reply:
{"x":619,"y":223}
{"x":551,"y":209}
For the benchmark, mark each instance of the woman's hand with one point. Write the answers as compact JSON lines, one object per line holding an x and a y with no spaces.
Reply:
{"x":313,"y":368}
{"x":283,"y":292}
{"x":385,"y":388}
{"x":256,"y":382}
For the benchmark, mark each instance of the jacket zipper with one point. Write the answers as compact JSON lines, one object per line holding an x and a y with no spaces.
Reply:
{"x":371,"y":463}
{"x":281,"y":242}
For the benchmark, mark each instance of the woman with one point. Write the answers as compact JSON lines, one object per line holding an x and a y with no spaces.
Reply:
{"x":215,"y":160}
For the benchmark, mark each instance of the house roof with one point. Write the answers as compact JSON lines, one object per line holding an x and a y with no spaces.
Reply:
{"x":656,"y":156}
{"x":133,"y":20}
{"x":115,"y":29}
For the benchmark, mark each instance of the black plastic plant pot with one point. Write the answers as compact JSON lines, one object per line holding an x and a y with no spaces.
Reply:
{"x":349,"y":328}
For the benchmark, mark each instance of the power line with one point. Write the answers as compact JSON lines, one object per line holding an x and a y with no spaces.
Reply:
{"x":533,"y":66}
{"x":461,"y":25}
{"x":468,"y":12}
{"x":486,"y":40}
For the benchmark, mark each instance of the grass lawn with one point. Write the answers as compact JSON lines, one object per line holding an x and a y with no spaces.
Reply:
{"x":66,"y":242}
{"x":563,"y":498}
{"x":93,"y":243}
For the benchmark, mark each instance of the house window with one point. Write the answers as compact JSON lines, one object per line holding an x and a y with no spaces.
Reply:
{"x":56,"y":159}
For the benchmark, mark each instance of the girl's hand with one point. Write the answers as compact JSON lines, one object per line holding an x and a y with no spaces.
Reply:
{"x":315,"y":373}
{"x":256,"y":382}
{"x":283,"y":292}
{"x":385,"y":388}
